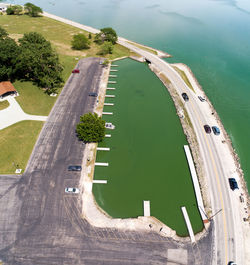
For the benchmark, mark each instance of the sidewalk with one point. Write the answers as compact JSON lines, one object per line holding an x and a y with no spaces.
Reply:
{"x":14,"y":114}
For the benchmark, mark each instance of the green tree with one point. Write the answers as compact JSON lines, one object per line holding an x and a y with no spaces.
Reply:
{"x":14,"y":10}
{"x":106,"y":48}
{"x":32,"y":10}
{"x":80,"y":42}
{"x":90,"y":36}
{"x":109,"y":34}
{"x":9,"y":51}
{"x":38,"y":62}
{"x":91,"y":128}
{"x":3,"y":33}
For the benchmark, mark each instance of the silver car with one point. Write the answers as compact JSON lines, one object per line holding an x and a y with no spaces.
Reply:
{"x":72,"y":190}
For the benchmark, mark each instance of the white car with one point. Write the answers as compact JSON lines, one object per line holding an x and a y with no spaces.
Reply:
{"x":72,"y":190}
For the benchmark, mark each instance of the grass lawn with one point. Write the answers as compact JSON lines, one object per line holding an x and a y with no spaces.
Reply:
{"x":16,"y":144}
{"x":184,"y":77}
{"x":4,"y":104}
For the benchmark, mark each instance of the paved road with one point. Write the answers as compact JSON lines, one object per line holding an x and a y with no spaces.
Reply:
{"x":40,"y":224}
{"x":228,"y":235}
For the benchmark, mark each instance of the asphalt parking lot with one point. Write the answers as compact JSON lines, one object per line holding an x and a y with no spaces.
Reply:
{"x":40,"y":224}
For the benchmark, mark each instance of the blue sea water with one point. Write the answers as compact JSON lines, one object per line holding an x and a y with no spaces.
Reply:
{"x":211,"y":36}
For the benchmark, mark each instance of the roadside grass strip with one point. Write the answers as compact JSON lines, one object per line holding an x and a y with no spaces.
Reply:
{"x":184,"y":77}
{"x":188,"y":223}
{"x":146,"y":208}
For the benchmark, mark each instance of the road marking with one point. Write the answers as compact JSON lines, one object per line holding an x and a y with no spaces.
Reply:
{"x":218,"y":184}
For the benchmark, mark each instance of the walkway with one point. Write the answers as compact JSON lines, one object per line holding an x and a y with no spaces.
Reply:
{"x":14,"y":114}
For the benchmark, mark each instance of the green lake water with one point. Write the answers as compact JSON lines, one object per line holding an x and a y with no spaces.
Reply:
{"x":147,"y":159}
{"x":213,"y":38}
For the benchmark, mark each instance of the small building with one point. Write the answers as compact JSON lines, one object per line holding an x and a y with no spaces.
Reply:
{"x":7,"y":89}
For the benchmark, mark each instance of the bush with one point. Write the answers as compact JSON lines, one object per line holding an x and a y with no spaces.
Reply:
{"x":91,"y":128}
{"x":80,"y":42}
{"x":106,"y":48}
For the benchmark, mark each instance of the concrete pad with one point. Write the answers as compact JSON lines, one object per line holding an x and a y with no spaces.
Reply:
{"x":101,"y":164}
{"x":188,"y":223}
{"x":177,"y":256}
{"x":146,"y":208}
{"x":103,"y":149}
{"x":100,"y":181}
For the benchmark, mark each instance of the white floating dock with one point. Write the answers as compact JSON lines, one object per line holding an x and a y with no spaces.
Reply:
{"x":110,"y":88}
{"x":101,"y":164}
{"x":196,"y":184}
{"x":109,"y":96}
{"x":100,"y":181}
{"x":146,"y":208}
{"x":112,"y":75}
{"x":103,"y":149}
{"x":107,"y":113}
{"x":113,"y":70}
{"x":108,"y":135}
{"x":189,"y":226}
{"x":108,"y":104}
{"x":115,"y":65}
{"x":112,"y":82}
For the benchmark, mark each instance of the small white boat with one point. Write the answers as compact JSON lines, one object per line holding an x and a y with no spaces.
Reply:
{"x":109,"y":125}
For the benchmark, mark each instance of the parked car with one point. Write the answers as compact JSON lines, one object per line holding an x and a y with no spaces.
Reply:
{"x":207,"y":128}
{"x":93,"y":94}
{"x":74,"y":168}
{"x":72,"y":190}
{"x":76,"y":71}
{"x":233,"y":183}
{"x":201,"y":98}
{"x":216,"y":130}
{"x":185,"y":96}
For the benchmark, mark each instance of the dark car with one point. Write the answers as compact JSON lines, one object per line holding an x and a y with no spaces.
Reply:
{"x":201,"y":98}
{"x":76,"y":71}
{"x":231,"y":263}
{"x":93,"y":94}
{"x":216,"y":130}
{"x":74,"y":168}
{"x":233,"y":183}
{"x":185,"y":96}
{"x":207,"y":128}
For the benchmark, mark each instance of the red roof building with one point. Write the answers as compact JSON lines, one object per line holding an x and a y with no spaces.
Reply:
{"x":6,"y":89}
